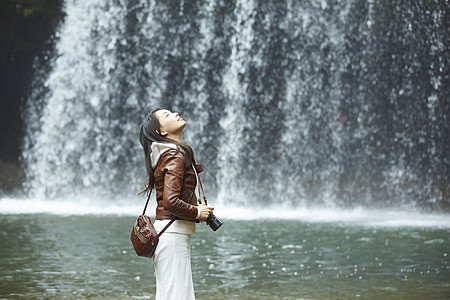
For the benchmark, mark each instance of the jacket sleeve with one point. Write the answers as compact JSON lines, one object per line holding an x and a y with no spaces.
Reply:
{"x":173,"y":167}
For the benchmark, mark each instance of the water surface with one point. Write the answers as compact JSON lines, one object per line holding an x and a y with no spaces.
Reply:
{"x":76,"y":257}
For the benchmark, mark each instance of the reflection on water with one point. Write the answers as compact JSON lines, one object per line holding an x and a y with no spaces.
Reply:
{"x":91,"y":257}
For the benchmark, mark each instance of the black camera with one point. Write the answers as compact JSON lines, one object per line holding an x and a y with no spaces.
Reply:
{"x":213,"y":222}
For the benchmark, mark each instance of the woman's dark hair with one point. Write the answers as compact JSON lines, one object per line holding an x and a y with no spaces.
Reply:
{"x":148,"y":135}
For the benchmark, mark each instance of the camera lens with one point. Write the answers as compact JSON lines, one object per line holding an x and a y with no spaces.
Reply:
{"x":213,"y":222}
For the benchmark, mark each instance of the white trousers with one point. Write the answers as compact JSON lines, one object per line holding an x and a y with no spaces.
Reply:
{"x":172,"y":261}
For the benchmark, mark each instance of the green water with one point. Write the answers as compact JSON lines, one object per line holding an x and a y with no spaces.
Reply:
{"x":90,"y":257}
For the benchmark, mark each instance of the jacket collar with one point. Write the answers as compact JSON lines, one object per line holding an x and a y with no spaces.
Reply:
{"x":157,"y":150}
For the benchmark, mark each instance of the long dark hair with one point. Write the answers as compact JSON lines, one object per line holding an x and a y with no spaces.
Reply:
{"x":148,"y":135}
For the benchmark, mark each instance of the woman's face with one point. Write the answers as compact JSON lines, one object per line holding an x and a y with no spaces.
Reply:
{"x":170,"y":122}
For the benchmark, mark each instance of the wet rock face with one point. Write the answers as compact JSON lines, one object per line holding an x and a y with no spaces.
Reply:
{"x":11,"y":177}
{"x":26,"y":33}
{"x":325,"y":103}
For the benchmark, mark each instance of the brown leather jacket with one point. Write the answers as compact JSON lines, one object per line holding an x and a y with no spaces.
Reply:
{"x":175,"y":187}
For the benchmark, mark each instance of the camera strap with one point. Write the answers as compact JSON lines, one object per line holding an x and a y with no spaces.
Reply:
{"x":200,"y":186}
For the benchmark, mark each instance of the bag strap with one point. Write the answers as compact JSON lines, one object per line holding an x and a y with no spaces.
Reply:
{"x":145,"y":208}
{"x":164,"y":229}
{"x":201,"y":186}
{"x":146,"y":203}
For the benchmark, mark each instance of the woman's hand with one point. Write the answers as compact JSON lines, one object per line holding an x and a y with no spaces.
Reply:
{"x":205,"y":211}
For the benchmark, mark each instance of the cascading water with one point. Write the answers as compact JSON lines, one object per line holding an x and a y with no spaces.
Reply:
{"x":304,"y":103}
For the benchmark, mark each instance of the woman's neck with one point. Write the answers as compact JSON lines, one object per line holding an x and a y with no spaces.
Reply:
{"x":176,"y":137}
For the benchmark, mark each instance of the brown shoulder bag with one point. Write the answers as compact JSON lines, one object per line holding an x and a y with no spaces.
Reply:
{"x":143,"y":235}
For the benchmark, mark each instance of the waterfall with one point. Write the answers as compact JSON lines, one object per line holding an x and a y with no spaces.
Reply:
{"x":295,"y":103}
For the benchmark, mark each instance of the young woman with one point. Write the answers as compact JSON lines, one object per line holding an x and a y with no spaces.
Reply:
{"x":169,"y":163}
